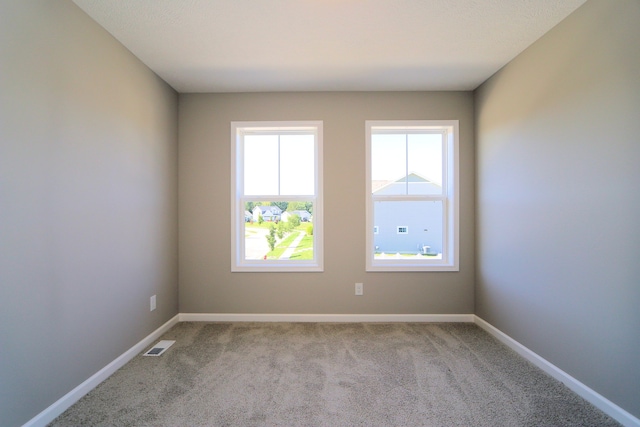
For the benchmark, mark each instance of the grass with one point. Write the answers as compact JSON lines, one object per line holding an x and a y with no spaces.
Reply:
{"x":265,"y":225}
{"x":404,"y":254}
{"x":249,"y":232}
{"x":304,"y":249}
{"x":282,"y":246}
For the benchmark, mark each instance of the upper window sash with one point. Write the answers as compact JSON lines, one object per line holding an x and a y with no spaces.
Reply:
{"x":278,"y":162}
{"x":405,"y":152}
{"x":448,"y":196}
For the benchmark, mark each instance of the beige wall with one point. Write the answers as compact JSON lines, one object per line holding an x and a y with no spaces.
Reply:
{"x":206,"y":282}
{"x":88,"y":202}
{"x":558,"y":200}
{"x":94,"y":189}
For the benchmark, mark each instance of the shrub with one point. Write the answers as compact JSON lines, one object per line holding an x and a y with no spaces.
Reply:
{"x":310,"y":229}
{"x":294,"y":220}
{"x":271,"y":238}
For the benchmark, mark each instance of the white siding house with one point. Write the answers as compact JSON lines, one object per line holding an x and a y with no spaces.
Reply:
{"x":303,"y":215}
{"x":269,"y":213}
{"x":408,"y":226}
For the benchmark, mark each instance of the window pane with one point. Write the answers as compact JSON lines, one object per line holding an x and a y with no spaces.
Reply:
{"x":425,"y":163}
{"x":408,"y":229}
{"x":297,"y":172}
{"x":388,"y":164}
{"x":292,"y":224}
{"x":277,"y":185}
{"x":260,"y":165}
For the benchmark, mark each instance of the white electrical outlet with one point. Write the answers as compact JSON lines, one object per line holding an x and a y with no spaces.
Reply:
{"x":359,"y":288}
{"x":152,"y":303}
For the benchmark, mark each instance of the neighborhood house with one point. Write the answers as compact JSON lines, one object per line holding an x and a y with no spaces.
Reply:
{"x":303,"y":215}
{"x":408,"y":226}
{"x":268,"y":213}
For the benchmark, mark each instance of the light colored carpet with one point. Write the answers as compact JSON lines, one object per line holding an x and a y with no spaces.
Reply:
{"x":323,"y":374}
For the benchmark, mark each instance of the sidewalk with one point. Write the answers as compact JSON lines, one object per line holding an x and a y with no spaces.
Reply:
{"x":292,"y":247}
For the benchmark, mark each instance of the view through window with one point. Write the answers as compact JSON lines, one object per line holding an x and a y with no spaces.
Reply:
{"x":411,"y":193}
{"x":277,"y":205}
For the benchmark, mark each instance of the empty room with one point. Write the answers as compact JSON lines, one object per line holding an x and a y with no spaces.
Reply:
{"x":319,"y":212}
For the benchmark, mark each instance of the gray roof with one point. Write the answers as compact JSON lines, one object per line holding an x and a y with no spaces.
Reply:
{"x":273,"y":208}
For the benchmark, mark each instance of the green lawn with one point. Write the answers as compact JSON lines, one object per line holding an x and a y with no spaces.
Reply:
{"x":304,"y":249}
{"x":282,"y":246}
{"x":403,"y":255}
{"x":265,"y":225}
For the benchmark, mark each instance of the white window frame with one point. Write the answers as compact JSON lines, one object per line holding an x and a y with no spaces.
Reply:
{"x":449,"y":198}
{"x":238,"y":198}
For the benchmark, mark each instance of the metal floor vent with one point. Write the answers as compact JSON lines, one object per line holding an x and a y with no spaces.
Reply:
{"x":159,"y":348}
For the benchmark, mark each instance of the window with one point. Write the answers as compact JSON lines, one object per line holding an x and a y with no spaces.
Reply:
{"x":276,"y":196}
{"x":412,"y":170}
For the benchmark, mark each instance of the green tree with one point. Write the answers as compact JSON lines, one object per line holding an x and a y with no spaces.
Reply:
{"x":294,"y":220}
{"x":248,"y":206}
{"x":295,"y":206}
{"x":282,"y":228}
{"x":282,"y":205}
{"x":271,"y":237}
{"x":300,"y":206}
{"x":260,"y":219}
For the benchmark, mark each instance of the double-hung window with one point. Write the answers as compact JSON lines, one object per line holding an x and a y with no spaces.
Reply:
{"x":276,"y":196}
{"x":412,"y":195}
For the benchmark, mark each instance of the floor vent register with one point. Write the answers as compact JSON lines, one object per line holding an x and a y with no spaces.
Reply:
{"x":159,"y":348}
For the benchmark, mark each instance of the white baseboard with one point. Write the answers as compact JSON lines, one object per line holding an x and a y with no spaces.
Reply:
{"x":66,"y":401}
{"x":324,"y":318}
{"x":596,"y":399}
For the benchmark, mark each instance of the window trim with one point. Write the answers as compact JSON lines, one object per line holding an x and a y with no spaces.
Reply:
{"x":450,"y":200}
{"x":238,"y":263}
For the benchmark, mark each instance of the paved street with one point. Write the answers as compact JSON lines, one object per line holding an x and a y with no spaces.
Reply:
{"x":255,"y":244}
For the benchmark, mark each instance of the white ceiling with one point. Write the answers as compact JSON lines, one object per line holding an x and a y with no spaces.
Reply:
{"x":326,"y":45}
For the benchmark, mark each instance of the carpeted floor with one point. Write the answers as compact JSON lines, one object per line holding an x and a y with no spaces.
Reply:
{"x":324,"y":374}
